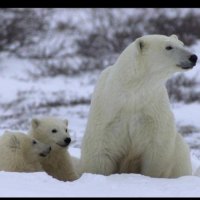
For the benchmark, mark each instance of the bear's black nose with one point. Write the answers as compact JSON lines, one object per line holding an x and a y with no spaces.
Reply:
{"x":67,"y":140}
{"x":193,"y":58}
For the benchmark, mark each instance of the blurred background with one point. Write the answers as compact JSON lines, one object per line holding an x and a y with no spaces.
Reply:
{"x":51,"y":58}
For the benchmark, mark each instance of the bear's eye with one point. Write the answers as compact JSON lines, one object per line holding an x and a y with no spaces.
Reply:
{"x":34,"y":142}
{"x":66,"y":130}
{"x":169,"y":47}
{"x":54,"y":131}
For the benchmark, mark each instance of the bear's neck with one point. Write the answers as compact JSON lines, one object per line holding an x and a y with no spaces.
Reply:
{"x":136,"y":81}
{"x":134,"y":75}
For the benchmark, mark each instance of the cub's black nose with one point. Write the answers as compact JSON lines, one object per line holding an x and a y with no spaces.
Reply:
{"x":67,"y":140}
{"x":193,"y":58}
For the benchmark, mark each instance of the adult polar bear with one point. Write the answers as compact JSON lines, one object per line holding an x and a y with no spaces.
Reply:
{"x":131,"y":128}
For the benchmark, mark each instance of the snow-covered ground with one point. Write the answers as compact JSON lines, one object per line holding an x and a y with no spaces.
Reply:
{"x":22,"y":98}
{"x":38,"y":184}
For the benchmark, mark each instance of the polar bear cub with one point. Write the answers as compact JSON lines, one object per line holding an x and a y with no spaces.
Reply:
{"x":20,"y":152}
{"x":131,"y":128}
{"x":54,"y":131}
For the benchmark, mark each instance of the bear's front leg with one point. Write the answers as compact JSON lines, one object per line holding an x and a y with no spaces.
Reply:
{"x":100,"y":163}
{"x":157,"y":161}
{"x":169,"y":159}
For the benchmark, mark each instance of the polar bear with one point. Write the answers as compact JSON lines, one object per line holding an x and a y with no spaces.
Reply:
{"x":20,"y":152}
{"x":54,"y":131}
{"x":130,"y":127}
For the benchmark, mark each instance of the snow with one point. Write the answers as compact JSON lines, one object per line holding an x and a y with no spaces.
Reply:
{"x":187,"y":114}
{"x":39,"y":184}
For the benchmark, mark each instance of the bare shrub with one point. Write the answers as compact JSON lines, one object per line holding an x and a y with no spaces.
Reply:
{"x":20,"y":28}
{"x":187,"y":129}
{"x":186,"y":27}
{"x":110,"y":35}
{"x":181,"y":88}
{"x":99,"y":46}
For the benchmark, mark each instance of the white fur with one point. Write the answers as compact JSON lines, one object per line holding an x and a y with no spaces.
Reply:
{"x":58,"y":163}
{"x":18,"y":153}
{"x":131,"y":128}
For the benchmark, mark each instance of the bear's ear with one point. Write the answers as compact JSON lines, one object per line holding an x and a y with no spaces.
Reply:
{"x":14,"y":143}
{"x":35,"y":123}
{"x":66,"y":121}
{"x":140,"y":45}
{"x":174,"y":36}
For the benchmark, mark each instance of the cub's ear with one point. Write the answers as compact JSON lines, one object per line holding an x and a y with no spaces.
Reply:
{"x":140,"y":45}
{"x":14,"y":143}
{"x":66,"y":121}
{"x":174,"y":36}
{"x":35,"y":123}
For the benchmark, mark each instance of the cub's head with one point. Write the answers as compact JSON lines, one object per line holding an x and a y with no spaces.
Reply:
{"x":51,"y":130}
{"x":25,"y":145}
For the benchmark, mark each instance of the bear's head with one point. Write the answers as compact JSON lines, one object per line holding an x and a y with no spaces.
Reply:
{"x":156,"y":56}
{"x":23,"y":144}
{"x":51,"y":130}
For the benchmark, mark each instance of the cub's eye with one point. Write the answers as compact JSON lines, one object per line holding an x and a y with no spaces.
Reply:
{"x":54,"y":131}
{"x":66,"y":130}
{"x":34,"y":142}
{"x":169,"y":47}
